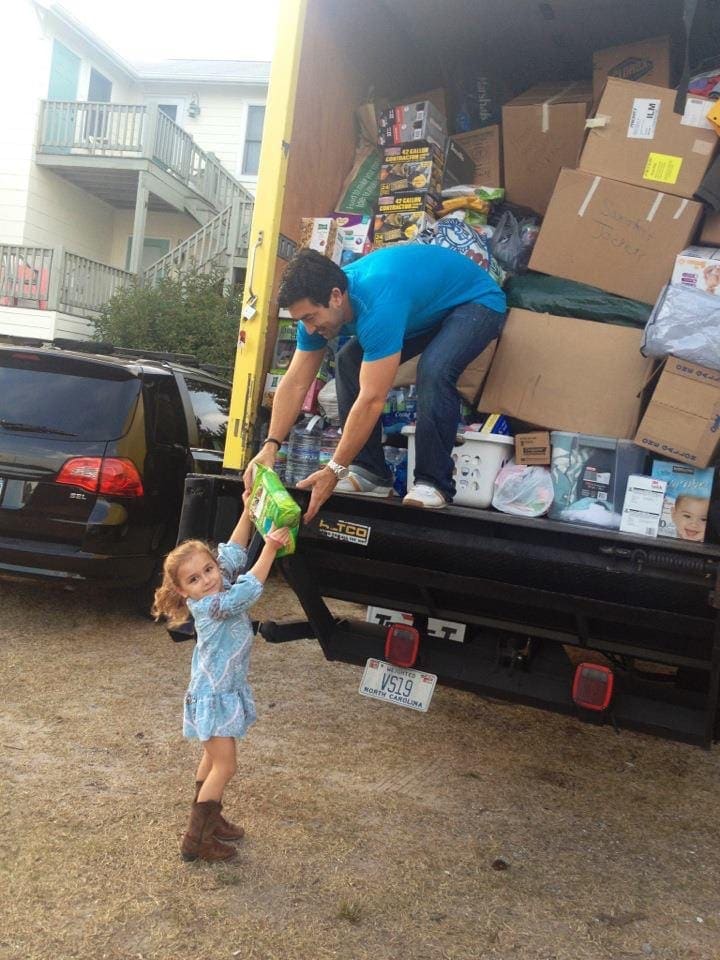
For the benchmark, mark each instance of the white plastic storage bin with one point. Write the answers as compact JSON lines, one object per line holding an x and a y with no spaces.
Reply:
{"x":590,"y":475}
{"x":478,"y":459}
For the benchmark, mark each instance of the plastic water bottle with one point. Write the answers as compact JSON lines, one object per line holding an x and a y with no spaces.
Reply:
{"x":396,"y":459}
{"x":303,"y":454}
{"x":328,"y":444}
{"x":281,"y":461}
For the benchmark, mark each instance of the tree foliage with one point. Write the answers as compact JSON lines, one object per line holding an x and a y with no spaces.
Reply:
{"x":183,"y":313}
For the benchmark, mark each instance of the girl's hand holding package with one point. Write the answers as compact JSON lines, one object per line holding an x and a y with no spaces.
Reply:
{"x":278,"y":538}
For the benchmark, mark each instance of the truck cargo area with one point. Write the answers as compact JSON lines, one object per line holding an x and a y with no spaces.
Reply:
{"x":534,"y":598}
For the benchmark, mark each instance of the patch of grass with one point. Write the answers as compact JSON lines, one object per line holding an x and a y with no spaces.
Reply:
{"x":350,"y":910}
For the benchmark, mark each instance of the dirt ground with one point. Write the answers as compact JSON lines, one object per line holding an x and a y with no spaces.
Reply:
{"x":372,"y":831}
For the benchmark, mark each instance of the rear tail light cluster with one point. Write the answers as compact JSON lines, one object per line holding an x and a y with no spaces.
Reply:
{"x":112,"y":476}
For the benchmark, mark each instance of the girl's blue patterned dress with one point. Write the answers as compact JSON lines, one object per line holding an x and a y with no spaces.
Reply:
{"x":219,"y":701}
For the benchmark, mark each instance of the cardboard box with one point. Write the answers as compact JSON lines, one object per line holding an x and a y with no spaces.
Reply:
{"x":568,"y":374}
{"x":618,"y":237}
{"x":484,"y":146}
{"x":682,"y":418}
{"x":543,"y":131}
{"x":356,"y":232}
{"x":410,"y":170}
{"x":646,"y":60}
{"x":321,"y":234}
{"x":710,"y":232}
{"x":642,"y":506}
{"x":699,"y":268}
{"x":469,"y":382}
{"x":637,"y":137}
{"x":533,"y":449}
{"x":410,"y":122}
{"x":459,"y":165}
{"x":393,"y":227}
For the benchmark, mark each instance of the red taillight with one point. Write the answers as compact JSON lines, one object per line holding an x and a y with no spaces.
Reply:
{"x":401,"y":645}
{"x":112,"y":476}
{"x":593,"y":686}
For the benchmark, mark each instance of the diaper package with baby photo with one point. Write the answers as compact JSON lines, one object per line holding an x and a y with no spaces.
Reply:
{"x":687,"y":499}
{"x":272,"y":507}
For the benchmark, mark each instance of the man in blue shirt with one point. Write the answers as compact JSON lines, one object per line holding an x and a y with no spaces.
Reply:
{"x":395,"y":303}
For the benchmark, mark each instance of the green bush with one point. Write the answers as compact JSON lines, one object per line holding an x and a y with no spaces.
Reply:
{"x":183,"y":313}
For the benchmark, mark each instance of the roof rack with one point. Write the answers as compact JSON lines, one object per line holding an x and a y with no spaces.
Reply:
{"x":108,"y":349}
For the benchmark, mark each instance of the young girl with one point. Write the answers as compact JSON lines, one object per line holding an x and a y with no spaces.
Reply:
{"x":219,"y":704}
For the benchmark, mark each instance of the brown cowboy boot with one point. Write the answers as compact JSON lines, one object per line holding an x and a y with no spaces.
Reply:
{"x":224,"y":829}
{"x":199,"y":843}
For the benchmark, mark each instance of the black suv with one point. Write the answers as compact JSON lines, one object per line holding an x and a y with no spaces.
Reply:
{"x":94,"y":449}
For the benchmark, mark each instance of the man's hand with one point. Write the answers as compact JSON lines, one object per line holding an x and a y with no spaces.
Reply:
{"x":266,"y":457}
{"x":322,"y":483}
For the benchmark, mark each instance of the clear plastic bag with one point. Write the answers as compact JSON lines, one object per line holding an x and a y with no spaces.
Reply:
{"x":685,"y":323}
{"x":523,"y":491}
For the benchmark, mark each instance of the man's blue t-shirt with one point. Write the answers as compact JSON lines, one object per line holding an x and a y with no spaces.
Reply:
{"x":401,"y":291}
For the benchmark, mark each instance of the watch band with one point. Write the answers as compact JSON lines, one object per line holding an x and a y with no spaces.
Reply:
{"x":338,"y":469}
{"x":272,"y":440}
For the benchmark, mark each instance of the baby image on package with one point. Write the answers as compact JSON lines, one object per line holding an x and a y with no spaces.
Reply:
{"x":687,"y":499}
{"x":272,"y":507}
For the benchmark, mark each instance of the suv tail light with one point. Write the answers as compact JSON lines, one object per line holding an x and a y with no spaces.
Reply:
{"x":113,"y":476}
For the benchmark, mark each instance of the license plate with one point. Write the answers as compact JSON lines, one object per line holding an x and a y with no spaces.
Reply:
{"x":397,"y":685}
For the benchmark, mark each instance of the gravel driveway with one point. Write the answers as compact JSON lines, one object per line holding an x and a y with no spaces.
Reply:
{"x":478,"y":830}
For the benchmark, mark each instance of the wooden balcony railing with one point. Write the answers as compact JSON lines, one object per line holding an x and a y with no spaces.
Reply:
{"x":77,"y":128}
{"x":50,"y":278}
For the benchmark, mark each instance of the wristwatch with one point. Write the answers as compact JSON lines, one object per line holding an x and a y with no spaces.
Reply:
{"x":338,"y":469}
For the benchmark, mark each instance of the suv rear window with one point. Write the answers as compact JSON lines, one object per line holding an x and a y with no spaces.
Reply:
{"x":42,"y":394}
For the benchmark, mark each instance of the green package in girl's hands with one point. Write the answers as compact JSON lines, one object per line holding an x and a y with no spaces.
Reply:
{"x":272,"y":507}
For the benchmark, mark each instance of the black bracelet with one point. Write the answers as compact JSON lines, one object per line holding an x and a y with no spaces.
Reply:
{"x":272,"y":440}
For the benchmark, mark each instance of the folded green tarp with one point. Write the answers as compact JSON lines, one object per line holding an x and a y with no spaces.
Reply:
{"x":566,"y":298}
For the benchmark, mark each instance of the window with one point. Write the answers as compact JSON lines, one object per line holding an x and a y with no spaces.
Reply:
{"x":64,"y":397}
{"x":211,"y":406}
{"x":169,"y":109}
{"x":170,"y":426}
{"x":253,"y":138}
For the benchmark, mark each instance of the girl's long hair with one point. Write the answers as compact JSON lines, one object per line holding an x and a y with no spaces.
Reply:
{"x":169,"y":603}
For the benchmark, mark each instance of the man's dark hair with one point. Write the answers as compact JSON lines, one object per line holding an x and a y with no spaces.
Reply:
{"x":310,"y":275}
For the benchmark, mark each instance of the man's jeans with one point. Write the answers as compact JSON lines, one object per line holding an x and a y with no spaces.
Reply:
{"x":446,"y":350}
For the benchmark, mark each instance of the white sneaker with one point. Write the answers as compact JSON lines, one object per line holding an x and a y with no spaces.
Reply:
{"x":361,"y":486}
{"x":423,"y":495}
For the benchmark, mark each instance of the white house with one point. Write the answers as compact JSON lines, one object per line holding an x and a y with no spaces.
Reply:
{"x":107,"y":166}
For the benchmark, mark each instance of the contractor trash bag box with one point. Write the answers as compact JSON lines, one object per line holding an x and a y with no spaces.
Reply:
{"x":621,"y":238}
{"x":567,"y":374}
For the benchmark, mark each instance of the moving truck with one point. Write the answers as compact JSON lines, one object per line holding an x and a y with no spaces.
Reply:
{"x":589,"y":621}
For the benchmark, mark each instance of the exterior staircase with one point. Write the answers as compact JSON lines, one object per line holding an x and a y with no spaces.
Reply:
{"x":221,"y":243}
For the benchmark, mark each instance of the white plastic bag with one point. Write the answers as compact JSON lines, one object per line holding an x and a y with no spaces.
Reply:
{"x":685,"y":323}
{"x":523,"y":491}
{"x":327,"y":401}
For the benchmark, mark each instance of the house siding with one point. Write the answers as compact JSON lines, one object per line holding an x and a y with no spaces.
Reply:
{"x":220,"y":128}
{"x":174,"y":227}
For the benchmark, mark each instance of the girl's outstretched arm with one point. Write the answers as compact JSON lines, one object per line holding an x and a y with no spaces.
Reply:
{"x":244,"y":527}
{"x":273,"y":542}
